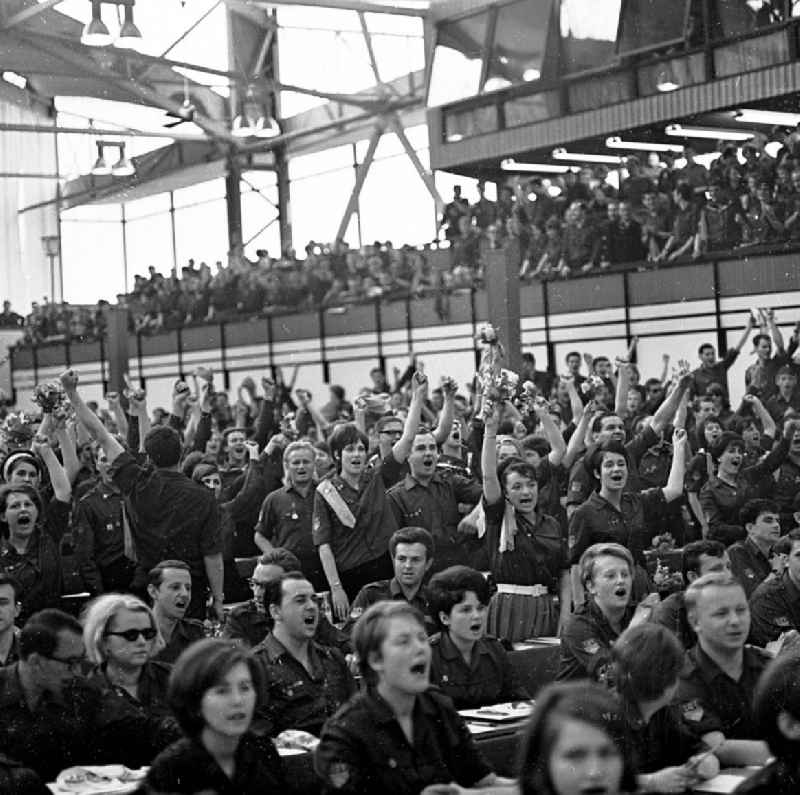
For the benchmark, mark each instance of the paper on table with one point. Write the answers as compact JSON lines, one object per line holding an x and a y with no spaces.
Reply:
{"x":480,"y":728}
{"x":724,"y":782}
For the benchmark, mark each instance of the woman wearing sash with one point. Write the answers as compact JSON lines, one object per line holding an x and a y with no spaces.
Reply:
{"x":526,"y":548}
{"x":353,"y":520}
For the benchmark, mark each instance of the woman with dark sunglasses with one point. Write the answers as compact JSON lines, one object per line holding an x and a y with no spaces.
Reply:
{"x":121,"y":635}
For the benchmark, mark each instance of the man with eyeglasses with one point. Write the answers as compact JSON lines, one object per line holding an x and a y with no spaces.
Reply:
{"x":51,"y":718}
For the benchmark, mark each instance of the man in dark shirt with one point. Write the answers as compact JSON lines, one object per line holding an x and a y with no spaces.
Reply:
{"x":625,"y":237}
{"x":452,"y":212}
{"x":305,"y":683}
{"x":580,"y":243}
{"x":175,"y":517}
{"x":787,"y":398}
{"x":712,"y":371}
{"x":10,"y":591}
{"x":103,"y":535}
{"x":426,"y":499}
{"x":683,"y":239}
{"x":286,"y":513}
{"x":775,"y":604}
{"x":697,"y":559}
{"x":750,"y":558}
{"x":412,"y":553}
{"x":787,"y":483}
{"x":484,"y":211}
{"x":715,"y":689}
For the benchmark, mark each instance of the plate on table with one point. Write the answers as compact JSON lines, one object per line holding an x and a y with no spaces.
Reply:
{"x":99,"y":780}
{"x":292,"y":751}
{"x":545,"y":640}
{"x":499,"y":713}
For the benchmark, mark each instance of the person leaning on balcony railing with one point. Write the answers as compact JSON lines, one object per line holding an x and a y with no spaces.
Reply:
{"x":580,"y":243}
{"x":684,"y":238}
{"x":718,"y":228}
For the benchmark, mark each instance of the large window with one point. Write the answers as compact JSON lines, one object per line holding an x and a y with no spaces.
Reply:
{"x":735,"y":17}
{"x":458,"y":59}
{"x":648,"y":24}
{"x":588,"y":33}
{"x":518,"y":49}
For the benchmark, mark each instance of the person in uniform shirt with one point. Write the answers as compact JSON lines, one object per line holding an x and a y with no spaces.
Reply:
{"x":698,"y":558}
{"x":725,"y":493}
{"x":52,"y":718}
{"x":104,"y":539}
{"x":646,"y":661}
{"x":285,"y":517}
{"x":775,"y":604}
{"x":469,"y":666}
{"x":787,"y":483}
{"x":120,"y":635}
{"x":526,"y":549}
{"x":586,"y":638}
{"x":304,"y":682}
{"x":574,"y":744}
{"x":776,"y":706}
{"x":170,"y":590}
{"x":716,"y":685}
{"x":750,"y":559}
{"x":713,"y":371}
{"x":412,"y":553}
{"x":10,"y":590}
{"x":353,"y":519}
{"x":214,"y":691}
{"x":612,"y":515}
{"x":399,"y":735}
{"x":174,"y":517}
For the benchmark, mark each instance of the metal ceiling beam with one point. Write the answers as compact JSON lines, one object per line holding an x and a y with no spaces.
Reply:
{"x":99,"y":132}
{"x":27,"y":13}
{"x":361,"y":175}
{"x":123,"y":83}
{"x":344,"y":5}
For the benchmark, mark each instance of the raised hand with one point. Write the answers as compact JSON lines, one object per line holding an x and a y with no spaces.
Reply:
{"x":69,"y":380}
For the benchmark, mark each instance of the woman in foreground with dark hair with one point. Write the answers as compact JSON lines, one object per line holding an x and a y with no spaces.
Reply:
{"x":213,"y":692}
{"x":572,"y":745}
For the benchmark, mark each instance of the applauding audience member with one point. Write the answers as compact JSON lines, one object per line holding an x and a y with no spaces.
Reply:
{"x":214,"y":691}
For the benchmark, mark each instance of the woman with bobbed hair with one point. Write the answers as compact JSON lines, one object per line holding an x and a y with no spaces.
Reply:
{"x":469,"y":666}
{"x":121,"y":635}
{"x":213,"y":691}
{"x":646,"y":661}
{"x":572,"y":745}
{"x":399,"y":717}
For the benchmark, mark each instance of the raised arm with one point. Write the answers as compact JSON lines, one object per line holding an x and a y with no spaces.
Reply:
{"x":745,"y":333}
{"x":577,"y":442}
{"x":112,"y":398}
{"x":623,"y":383}
{"x":774,"y":331}
{"x":666,"y":411}
{"x":111,"y":447}
{"x":677,"y":471}
{"x":575,"y":402}
{"x":768,"y":427}
{"x":402,"y":447}
{"x":62,"y":488}
{"x":138,"y":409}
{"x":68,"y":444}
{"x":445,"y":424}
{"x":491,"y":485}
{"x":558,"y":447}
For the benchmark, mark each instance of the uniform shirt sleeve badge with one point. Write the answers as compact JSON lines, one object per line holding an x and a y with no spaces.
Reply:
{"x":577,"y":487}
{"x":782,"y":621}
{"x":356,"y":612}
{"x":749,"y":573}
{"x":591,"y":646}
{"x":692,"y":711}
{"x":338,"y":774}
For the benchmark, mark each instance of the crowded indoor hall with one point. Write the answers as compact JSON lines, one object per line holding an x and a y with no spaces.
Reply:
{"x":423,"y":423}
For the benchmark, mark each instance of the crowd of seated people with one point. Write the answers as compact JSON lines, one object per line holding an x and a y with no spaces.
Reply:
{"x":424,"y":530}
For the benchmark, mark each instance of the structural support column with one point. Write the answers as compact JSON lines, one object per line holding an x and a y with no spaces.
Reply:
{"x":117,"y":350}
{"x":284,"y":199}
{"x":233,"y":202}
{"x":501,"y":275}
{"x":361,"y":175}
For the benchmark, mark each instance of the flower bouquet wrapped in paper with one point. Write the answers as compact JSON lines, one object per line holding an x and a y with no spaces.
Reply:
{"x":497,"y":383}
{"x":52,"y":399}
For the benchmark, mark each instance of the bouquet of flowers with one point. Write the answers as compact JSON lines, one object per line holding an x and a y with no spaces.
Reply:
{"x":591,"y":385}
{"x":498,"y":384}
{"x":666,"y":580}
{"x":17,"y":430}
{"x":52,"y":399}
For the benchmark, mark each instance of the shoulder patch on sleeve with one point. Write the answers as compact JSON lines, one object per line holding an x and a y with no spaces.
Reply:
{"x":783,"y":621}
{"x":576,"y":486}
{"x":692,"y":710}
{"x":591,"y":646}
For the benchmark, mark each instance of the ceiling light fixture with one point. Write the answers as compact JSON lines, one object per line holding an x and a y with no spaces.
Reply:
{"x":666,"y":81}
{"x":122,"y":168}
{"x":752,"y":116}
{"x":712,"y":133}
{"x":129,"y":34}
{"x":509,"y":164}
{"x":96,"y":34}
{"x":531,"y":74}
{"x":101,"y":167}
{"x":615,"y":142}
{"x":562,"y":154}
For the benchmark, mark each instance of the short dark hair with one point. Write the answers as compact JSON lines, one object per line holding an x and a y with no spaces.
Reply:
{"x":279,"y":556}
{"x":156,"y":575}
{"x":609,"y":447}
{"x":41,"y":631}
{"x":690,"y":557}
{"x":571,"y":354}
{"x":370,"y":631}
{"x":726,"y":440}
{"x":647,"y":660}
{"x":412,"y":535}
{"x":778,"y":690}
{"x":597,"y":423}
{"x":752,"y":509}
{"x":200,"y":667}
{"x":20,"y":488}
{"x":704,"y":347}
{"x":758,"y":337}
{"x":16,"y":585}
{"x":344,"y":434}
{"x":273,"y":590}
{"x":684,"y":190}
{"x":537,"y":444}
{"x":448,"y":588}
{"x":163,"y":445}
{"x":512,"y":465}
{"x":584,"y":702}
